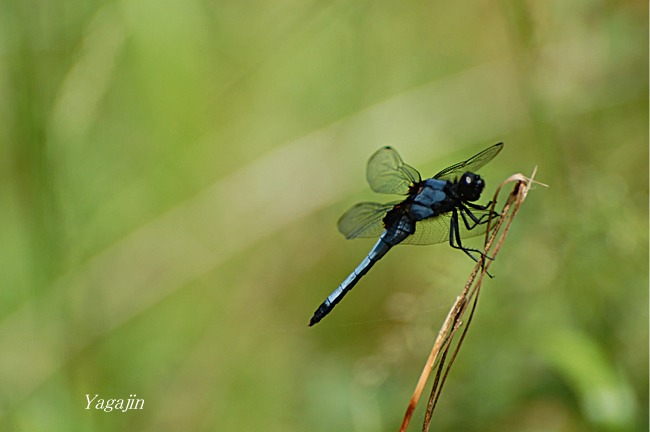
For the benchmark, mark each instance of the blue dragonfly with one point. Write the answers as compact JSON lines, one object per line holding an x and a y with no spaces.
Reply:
{"x":435,"y":210}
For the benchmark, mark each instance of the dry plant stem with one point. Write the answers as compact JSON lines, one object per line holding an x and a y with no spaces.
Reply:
{"x":453,"y":320}
{"x":437,"y":390}
{"x":515,"y":199}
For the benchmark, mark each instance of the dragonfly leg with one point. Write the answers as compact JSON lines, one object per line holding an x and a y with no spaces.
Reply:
{"x":454,"y":235}
{"x":478,"y":206}
{"x":482,"y":207}
{"x":484,"y":217}
{"x":465,"y":213}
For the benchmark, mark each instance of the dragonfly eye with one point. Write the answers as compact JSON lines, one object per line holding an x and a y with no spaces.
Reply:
{"x":470,"y":186}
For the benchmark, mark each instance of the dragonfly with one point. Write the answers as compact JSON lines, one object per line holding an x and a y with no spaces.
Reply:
{"x":438,"y":209}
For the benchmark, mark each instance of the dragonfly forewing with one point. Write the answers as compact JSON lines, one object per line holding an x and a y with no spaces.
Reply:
{"x":472,"y":164}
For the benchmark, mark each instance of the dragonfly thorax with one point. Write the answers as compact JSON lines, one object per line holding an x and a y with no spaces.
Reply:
{"x":470,"y":186}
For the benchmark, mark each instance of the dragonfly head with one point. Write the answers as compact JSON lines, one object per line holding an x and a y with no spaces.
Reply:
{"x":470,"y":186}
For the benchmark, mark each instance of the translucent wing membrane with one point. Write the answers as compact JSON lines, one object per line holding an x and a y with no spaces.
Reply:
{"x":364,"y":220}
{"x":436,"y":229}
{"x":388,"y":174}
{"x":472,"y":164}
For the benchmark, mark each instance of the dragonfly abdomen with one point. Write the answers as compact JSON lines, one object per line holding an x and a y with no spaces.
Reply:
{"x":387,"y":240}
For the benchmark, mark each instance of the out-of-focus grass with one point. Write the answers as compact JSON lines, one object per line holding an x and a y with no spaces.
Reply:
{"x":173,"y":172}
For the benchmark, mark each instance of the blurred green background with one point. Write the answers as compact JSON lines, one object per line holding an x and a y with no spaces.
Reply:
{"x":172,"y":174}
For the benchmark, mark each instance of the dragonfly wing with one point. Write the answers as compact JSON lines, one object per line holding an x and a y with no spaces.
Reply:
{"x":472,"y":164}
{"x":430,"y":231}
{"x":364,"y":220}
{"x":436,"y":229}
{"x":388,"y":174}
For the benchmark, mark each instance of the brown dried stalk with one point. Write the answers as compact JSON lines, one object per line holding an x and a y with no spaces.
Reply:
{"x":472,"y":288}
